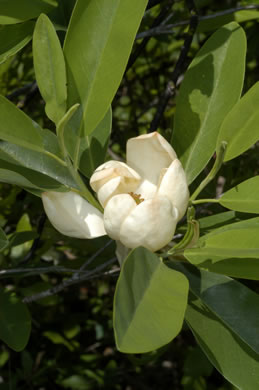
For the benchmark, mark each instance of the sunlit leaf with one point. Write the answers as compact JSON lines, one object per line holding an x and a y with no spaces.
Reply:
{"x":212,"y":86}
{"x":149,"y":304}
{"x":238,"y":240}
{"x":243,"y":197}
{"x":96,"y":57}
{"x":240,"y":127}
{"x":49,"y":65}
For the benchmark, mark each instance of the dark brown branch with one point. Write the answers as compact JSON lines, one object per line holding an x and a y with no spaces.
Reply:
{"x":179,"y":68}
{"x":167,"y":28}
{"x":141,"y":47}
{"x":69,"y":282}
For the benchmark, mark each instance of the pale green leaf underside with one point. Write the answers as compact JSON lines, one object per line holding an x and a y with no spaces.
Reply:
{"x":149,"y":304}
{"x":96,"y":63}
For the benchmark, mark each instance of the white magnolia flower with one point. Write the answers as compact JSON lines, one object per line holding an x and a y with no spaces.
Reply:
{"x":143,"y":200}
{"x":72,"y":215}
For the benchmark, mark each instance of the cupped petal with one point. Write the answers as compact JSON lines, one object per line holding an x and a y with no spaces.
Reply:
{"x":116,"y":210}
{"x":148,"y":154}
{"x":72,"y":215}
{"x":151,"y":224}
{"x":173,"y":184}
{"x":112,"y":169}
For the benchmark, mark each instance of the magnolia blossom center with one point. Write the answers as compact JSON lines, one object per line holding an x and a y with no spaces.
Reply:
{"x":136,"y":197}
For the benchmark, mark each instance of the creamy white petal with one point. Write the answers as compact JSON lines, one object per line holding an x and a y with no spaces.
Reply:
{"x":148,"y":154}
{"x":72,"y":215}
{"x":151,"y":224}
{"x":116,"y":210}
{"x":112,"y":187}
{"x":146,"y":189}
{"x":173,"y":184}
{"x":112,"y":169}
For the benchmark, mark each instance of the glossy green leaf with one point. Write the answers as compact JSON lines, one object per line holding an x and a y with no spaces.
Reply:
{"x":217,"y":220}
{"x":16,"y":11}
{"x":104,"y":33}
{"x":149,"y":303}
{"x":49,"y":65}
{"x":242,"y":268}
{"x":212,"y":86}
{"x":44,"y":162}
{"x":27,"y":178}
{"x":15,"y":321}
{"x":240,"y":127}
{"x":10,"y":177}
{"x":243,"y":197}
{"x":3,"y":240}
{"x":238,"y":363}
{"x":17,"y":127}
{"x":219,"y":293}
{"x":89,"y":151}
{"x":14,"y":38}
{"x":39,"y":162}
{"x":237,"y":240}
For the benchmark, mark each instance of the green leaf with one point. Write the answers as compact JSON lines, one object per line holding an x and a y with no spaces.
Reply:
{"x":57,"y":338}
{"x":16,"y":11}
{"x":15,"y":321}
{"x":27,"y":178}
{"x":76,"y":382}
{"x":97,"y":47}
{"x":219,"y":293}
{"x":89,"y":151}
{"x":49,"y":65}
{"x":44,"y":162}
{"x":3,"y":240}
{"x":149,"y":303}
{"x":240,"y":127}
{"x":217,"y":220}
{"x":211,"y":87}
{"x":17,"y":127}
{"x":19,"y":238}
{"x":230,"y":261}
{"x":243,"y":197}
{"x":239,"y":240}
{"x":229,"y":354}
{"x":14,"y":38}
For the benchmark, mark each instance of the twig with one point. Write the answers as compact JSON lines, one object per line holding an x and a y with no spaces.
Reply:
{"x":163,"y":13}
{"x":78,"y":274}
{"x":21,"y":91}
{"x":178,"y":70}
{"x":68,"y":282}
{"x":167,"y":28}
{"x":36,"y":271}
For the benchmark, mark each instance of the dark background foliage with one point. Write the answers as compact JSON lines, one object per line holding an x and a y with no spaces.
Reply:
{"x":72,"y":344}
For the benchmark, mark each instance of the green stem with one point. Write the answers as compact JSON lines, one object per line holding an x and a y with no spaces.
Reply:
{"x":216,"y":167}
{"x":60,"y":133}
{"x":205,"y":201}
